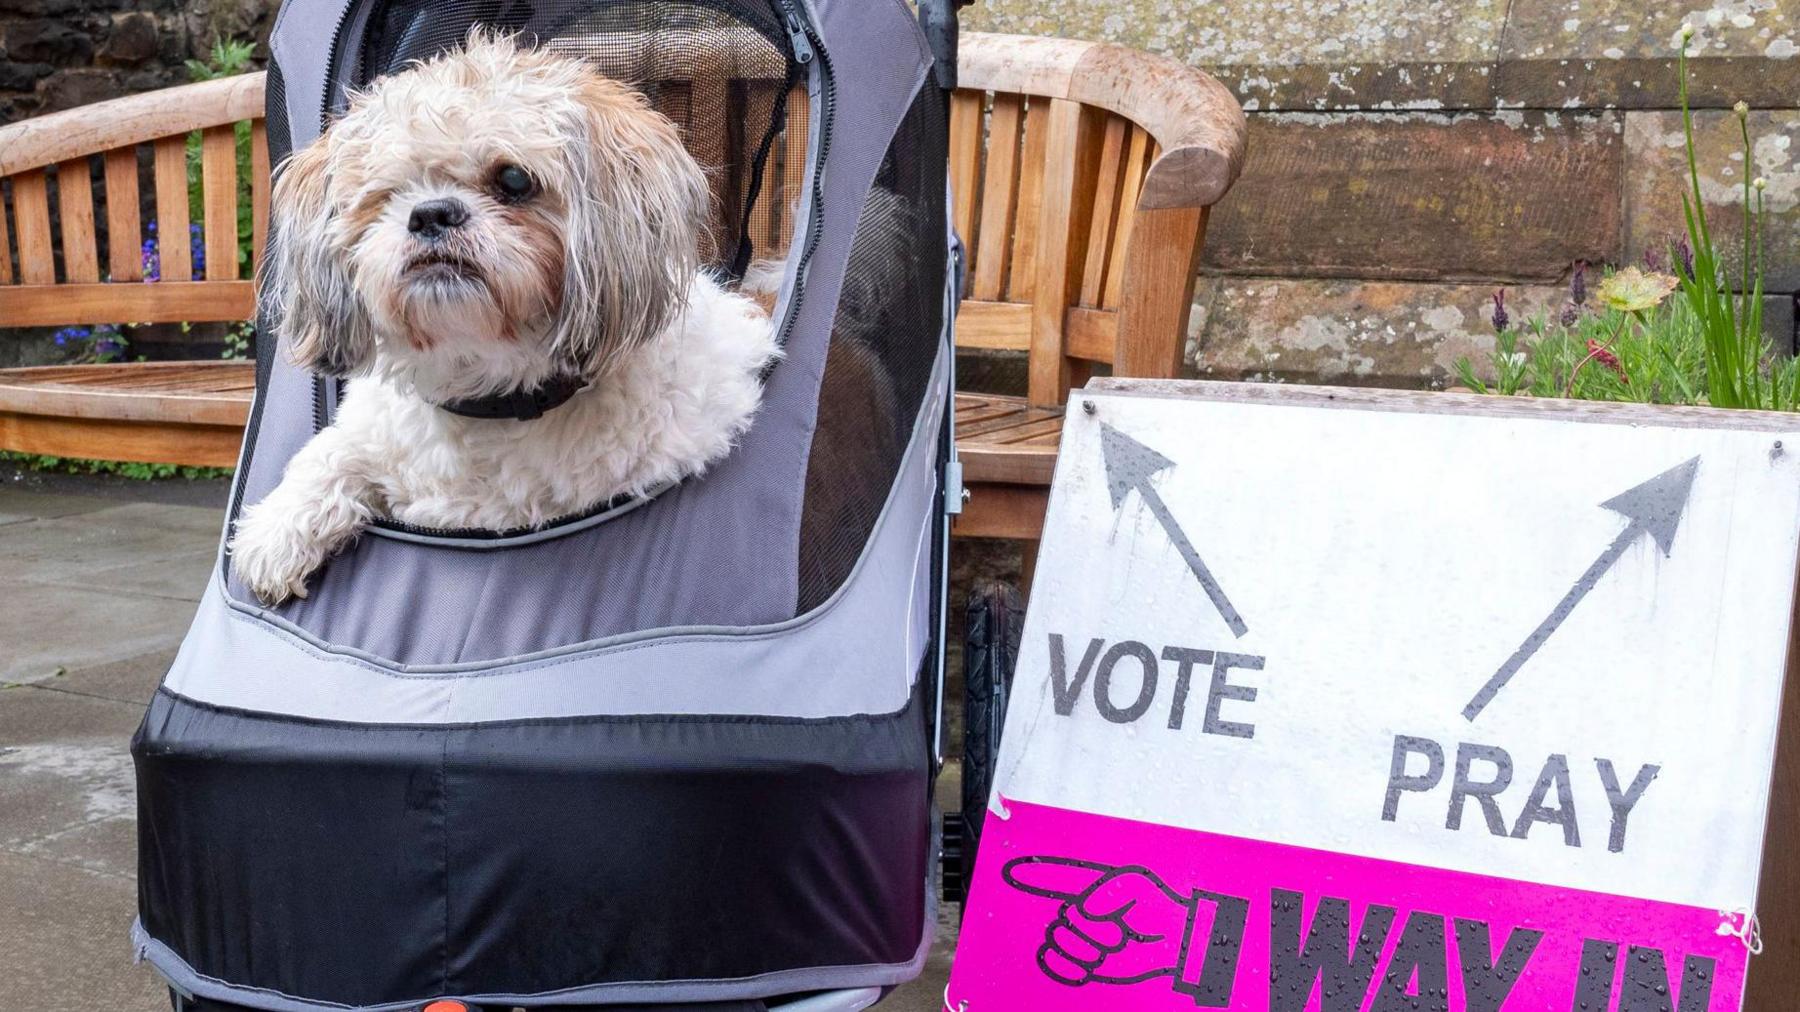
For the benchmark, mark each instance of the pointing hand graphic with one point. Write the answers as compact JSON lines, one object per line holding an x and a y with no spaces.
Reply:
{"x":1116,"y":925}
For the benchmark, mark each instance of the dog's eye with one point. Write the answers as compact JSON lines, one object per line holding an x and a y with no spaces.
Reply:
{"x":514,"y":184}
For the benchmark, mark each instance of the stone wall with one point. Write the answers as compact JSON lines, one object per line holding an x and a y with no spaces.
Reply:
{"x":1408,"y":156}
{"x":56,"y":54}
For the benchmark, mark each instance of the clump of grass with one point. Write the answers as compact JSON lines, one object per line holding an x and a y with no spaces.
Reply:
{"x":1637,"y":344}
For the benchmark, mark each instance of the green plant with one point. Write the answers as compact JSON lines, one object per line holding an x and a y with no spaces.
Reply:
{"x":239,"y":339}
{"x":105,"y":342}
{"x":1731,"y":324}
{"x":1706,"y":347}
{"x":122,"y":468}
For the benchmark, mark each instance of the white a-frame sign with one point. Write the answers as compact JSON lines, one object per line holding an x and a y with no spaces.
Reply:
{"x":1346,"y":701}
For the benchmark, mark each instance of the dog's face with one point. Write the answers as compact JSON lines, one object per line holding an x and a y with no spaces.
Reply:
{"x":482,"y":221}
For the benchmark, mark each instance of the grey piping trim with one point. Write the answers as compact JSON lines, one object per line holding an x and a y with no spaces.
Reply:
{"x":923,"y":441}
{"x":527,"y":538}
{"x":184,"y":978}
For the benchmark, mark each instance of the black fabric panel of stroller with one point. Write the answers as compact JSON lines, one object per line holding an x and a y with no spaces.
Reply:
{"x":591,"y":860}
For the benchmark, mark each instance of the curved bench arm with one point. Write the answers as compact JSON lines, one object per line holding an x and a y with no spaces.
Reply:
{"x":121,"y":122}
{"x":1196,"y":122}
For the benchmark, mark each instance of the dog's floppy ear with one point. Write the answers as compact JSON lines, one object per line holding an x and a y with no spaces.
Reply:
{"x":636,"y":213}
{"x":317,"y":312}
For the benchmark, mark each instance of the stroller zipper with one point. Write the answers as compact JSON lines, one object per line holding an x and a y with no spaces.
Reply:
{"x":803,"y":50}
{"x":807,"y":48}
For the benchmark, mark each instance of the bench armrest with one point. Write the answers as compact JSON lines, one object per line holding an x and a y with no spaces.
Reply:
{"x":1196,"y":122}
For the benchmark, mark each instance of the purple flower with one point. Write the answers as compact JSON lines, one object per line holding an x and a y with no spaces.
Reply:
{"x":1653,"y":261}
{"x":1570,"y":314}
{"x":1578,"y":284}
{"x":197,"y":251}
{"x":1684,"y":255}
{"x":1501,"y":320}
{"x":151,"y":259}
{"x":150,"y":255}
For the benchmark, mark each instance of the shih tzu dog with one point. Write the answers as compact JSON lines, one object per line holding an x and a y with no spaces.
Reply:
{"x":499,"y":220}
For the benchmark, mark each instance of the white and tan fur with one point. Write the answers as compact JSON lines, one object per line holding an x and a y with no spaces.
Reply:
{"x":595,"y":274}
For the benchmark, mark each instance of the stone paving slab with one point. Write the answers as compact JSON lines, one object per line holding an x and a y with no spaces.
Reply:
{"x":96,"y":582}
{"x":46,"y":628}
{"x":132,"y":680}
{"x":1423,"y":196}
{"x":106,"y":846}
{"x":106,"y":538}
{"x":18,"y":504}
{"x":66,"y":944}
{"x":63,"y":762}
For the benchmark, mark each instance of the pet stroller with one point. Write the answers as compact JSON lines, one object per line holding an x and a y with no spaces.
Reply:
{"x":665,"y":753}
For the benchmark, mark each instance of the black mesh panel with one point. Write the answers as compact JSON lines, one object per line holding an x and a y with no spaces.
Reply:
{"x":883,"y":345}
{"x":721,"y":70}
{"x":281,"y":144}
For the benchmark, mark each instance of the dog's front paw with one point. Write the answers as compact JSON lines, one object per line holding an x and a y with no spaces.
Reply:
{"x":273,"y":559}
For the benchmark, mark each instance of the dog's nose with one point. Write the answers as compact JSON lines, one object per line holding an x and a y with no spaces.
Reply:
{"x":432,"y":218}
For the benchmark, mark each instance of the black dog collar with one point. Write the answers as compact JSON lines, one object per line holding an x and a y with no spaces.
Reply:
{"x":522,"y":405}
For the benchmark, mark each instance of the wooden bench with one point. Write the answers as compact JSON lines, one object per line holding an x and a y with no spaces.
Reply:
{"x":1082,"y":176}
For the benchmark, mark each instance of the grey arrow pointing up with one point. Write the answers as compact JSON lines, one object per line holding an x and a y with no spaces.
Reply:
{"x":1130,"y":465}
{"x":1653,"y":509}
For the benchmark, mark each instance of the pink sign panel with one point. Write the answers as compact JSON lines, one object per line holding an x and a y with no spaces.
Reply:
{"x":1071,"y":910}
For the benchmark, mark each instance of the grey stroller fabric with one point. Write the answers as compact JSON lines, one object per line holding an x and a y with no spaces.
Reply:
{"x":634,"y":757}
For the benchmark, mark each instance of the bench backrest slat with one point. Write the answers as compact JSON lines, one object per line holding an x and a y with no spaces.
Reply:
{"x":75,"y":212}
{"x":124,"y":260}
{"x":219,"y":197}
{"x":175,"y":252}
{"x":31,"y":206}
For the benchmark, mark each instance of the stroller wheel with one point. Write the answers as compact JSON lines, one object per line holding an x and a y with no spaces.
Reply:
{"x":996,"y":615}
